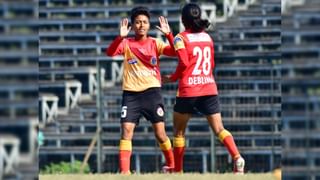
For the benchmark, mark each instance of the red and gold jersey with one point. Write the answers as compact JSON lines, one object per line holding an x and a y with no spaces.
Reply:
{"x":141,"y":61}
{"x":196,"y":64}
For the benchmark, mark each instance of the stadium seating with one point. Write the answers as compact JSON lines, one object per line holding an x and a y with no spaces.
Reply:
{"x":18,"y":89}
{"x":300,"y":92}
{"x":248,"y":76}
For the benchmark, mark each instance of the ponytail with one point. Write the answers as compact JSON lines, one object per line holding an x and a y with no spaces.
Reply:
{"x":200,"y":25}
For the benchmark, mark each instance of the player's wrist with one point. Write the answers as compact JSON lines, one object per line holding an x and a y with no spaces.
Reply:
{"x":172,"y":78}
{"x":167,"y":33}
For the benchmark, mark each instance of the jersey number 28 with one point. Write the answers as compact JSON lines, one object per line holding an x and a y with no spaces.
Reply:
{"x":203,"y":64}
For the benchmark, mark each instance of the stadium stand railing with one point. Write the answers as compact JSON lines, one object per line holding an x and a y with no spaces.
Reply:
{"x":48,"y":105}
{"x":69,"y":92}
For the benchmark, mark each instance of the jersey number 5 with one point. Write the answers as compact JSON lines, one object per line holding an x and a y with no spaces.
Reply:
{"x":203,"y":64}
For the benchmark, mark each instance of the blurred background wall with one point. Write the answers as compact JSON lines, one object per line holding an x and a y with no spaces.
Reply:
{"x":18,"y":88}
{"x":301,"y":89}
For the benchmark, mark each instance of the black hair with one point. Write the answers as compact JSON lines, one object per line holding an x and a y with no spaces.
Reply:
{"x":191,"y":18}
{"x":140,"y":10}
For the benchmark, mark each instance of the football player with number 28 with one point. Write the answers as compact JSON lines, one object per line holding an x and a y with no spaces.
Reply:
{"x":197,"y":89}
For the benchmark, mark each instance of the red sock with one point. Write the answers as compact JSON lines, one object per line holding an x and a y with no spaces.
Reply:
{"x":167,"y":152}
{"x":169,"y":158}
{"x":125,"y":150}
{"x":228,"y":141}
{"x":178,"y":150}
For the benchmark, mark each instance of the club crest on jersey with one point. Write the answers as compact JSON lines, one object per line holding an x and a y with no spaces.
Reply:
{"x":177,"y":40}
{"x":153,"y":60}
{"x":160,"y":111}
{"x":178,"y":43}
{"x":132,"y":61}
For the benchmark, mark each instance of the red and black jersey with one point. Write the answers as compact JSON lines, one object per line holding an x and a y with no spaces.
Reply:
{"x":141,"y":61}
{"x":196,"y":63}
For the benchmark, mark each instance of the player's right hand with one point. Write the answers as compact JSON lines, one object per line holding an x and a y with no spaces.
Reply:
{"x":124,"y":28}
{"x":165,"y":79}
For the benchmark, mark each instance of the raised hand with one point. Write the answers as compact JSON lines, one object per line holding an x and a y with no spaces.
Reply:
{"x":124,"y":29}
{"x":164,"y":26}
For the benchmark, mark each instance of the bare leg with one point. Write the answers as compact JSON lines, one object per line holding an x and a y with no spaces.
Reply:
{"x":165,"y":145}
{"x":127,"y":130}
{"x":180,"y":123}
{"x":215,"y":122}
{"x":226,"y":138}
{"x":160,"y":132}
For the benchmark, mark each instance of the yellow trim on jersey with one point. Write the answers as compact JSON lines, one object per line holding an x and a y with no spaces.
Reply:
{"x":160,"y":46}
{"x":125,"y":145}
{"x":179,"y":142}
{"x":178,"y":42}
{"x":223,"y":134}
{"x":166,"y":145}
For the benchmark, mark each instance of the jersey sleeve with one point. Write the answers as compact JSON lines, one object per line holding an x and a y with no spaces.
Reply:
{"x":116,"y":47}
{"x":183,"y":57}
{"x":182,"y":64}
{"x":160,"y":46}
{"x":178,"y":42}
{"x":169,"y":49}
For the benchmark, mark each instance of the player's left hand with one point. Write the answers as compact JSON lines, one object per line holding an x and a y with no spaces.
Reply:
{"x":164,"y":26}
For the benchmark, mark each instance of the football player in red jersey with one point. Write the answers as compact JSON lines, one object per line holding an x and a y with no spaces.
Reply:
{"x":142,"y":83}
{"x":197,"y":89}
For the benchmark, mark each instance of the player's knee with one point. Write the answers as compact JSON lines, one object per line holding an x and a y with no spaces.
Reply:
{"x":161,"y":136}
{"x":127,"y":134}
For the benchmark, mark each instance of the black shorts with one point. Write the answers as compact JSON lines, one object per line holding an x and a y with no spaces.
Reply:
{"x":148,"y":103}
{"x":206,"y":105}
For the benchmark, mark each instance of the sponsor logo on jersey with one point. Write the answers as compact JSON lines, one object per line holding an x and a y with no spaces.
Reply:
{"x":153,"y":60}
{"x":132,"y":61}
{"x":160,"y":111}
{"x":198,"y":37}
{"x":142,"y":73}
